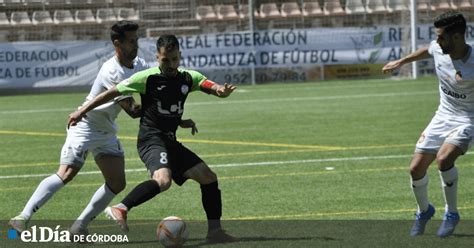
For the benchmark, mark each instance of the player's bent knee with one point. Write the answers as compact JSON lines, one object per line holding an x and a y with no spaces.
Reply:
{"x":67,"y":173}
{"x":117,"y":187}
{"x":206,"y":178}
{"x":443,"y":160}
{"x":163,"y":182}
{"x":210,"y":177}
{"x":417,"y":172}
{"x":163,"y":178}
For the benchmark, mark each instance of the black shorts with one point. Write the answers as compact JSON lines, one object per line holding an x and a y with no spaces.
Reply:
{"x":163,"y":152}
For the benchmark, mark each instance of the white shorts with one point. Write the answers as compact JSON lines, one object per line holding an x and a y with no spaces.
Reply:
{"x":79,"y":142}
{"x":443,"y":129}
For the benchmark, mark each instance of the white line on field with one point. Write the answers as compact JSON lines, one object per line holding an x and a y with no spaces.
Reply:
{"x":313,"y":98}
{"x":30,"y":111}
{"x":266,"y":163}
{"x":270,"y":100}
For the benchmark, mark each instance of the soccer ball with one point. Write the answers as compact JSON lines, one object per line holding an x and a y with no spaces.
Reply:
{"x":172,"y":231}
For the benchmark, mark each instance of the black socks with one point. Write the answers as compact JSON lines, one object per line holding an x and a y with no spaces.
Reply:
{"x":212,"y":203}
{"x":141,"y":193}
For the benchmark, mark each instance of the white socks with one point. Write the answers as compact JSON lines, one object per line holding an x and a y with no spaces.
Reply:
{"x":100,"y":200}
{"x":420,"y":190}
{"x":449,"y":184}
{"x":42,"y":194}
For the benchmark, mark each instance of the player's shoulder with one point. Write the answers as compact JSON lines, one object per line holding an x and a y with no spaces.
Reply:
{"x":186,"y":70}
{"x":193,"y":74}
{"x":107,"y":68}
{"x":110,"y":69}
{"x":143,"y":74}
{"x":110,"y":63}
{"x":190,"y":72}
{"x":434,"y":48}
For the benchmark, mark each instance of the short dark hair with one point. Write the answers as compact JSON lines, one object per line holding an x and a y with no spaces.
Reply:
{"x":452,"y":22}
{"x":117,"y":31}
{"x":168,"y":41}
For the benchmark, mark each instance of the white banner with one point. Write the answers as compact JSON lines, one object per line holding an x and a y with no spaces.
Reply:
{"x":48,"y":64}
{"x":222,"y":57}
{"x":298,"y":47}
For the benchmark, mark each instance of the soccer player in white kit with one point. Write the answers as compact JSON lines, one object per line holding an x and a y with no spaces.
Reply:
{"x":96,"y":134}
{"x":449,"y":134}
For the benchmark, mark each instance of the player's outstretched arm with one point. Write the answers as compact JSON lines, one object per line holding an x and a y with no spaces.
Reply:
{"x":102,"y":98}
{"x":421,"y":53}
{"x":216,"y":89}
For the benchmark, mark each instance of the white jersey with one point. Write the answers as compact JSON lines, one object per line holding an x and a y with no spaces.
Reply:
{"x":456,"y":83}
{"x":111,"y":73}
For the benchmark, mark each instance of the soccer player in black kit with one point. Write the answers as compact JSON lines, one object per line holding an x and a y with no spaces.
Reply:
{"x":163,"y":91}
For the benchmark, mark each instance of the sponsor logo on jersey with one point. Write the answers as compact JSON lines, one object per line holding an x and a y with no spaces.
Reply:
{"x":453,"y":94}
{"x":184,"y":89}
{"x":115,"y":76}
{"x":160,"y":87}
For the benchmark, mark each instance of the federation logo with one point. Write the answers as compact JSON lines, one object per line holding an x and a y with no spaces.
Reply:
{"x":368,"y":46}
{"x":184,"y":89}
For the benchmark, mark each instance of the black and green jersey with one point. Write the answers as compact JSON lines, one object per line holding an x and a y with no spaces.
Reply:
{"x":162,"y":97}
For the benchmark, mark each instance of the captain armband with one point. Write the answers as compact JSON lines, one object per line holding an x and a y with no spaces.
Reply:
{"x":207,"y":85}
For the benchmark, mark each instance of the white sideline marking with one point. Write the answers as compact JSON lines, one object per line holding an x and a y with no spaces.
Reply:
{"x":29,"y":111}
{"x":237,"y":165}
{"x":290,"y":99}
{"x":312,"y":98}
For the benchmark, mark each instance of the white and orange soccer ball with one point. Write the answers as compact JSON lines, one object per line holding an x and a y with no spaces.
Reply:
{"x":172,"y":231}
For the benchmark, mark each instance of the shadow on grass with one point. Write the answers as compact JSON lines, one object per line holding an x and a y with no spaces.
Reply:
{"x":202,"y":242}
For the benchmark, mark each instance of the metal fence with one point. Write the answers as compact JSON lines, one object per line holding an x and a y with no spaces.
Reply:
{"x":36,"y":20}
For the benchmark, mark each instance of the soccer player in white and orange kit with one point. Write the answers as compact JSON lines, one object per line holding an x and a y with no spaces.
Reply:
{"x":449,"y":134}
{"x":97,"y":133}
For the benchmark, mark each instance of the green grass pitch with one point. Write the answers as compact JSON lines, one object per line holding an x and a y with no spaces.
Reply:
{"x":331,"y":154}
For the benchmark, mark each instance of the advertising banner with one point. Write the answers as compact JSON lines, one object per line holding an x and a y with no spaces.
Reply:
{"x":275,"y":55}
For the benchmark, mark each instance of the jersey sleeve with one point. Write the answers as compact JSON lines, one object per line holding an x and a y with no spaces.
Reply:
{"x":432,"y":47}
{"x":134,"y":84}
{"x":198,"y":78}
{"x":121,"y":97}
